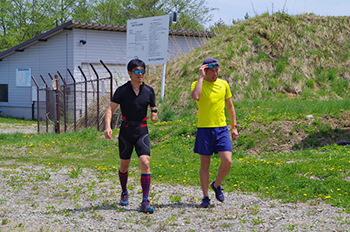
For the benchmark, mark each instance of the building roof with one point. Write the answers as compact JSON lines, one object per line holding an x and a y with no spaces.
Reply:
{"x":92,"y":26}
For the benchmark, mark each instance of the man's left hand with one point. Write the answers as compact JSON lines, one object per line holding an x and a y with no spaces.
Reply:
{"x":234,"y":133}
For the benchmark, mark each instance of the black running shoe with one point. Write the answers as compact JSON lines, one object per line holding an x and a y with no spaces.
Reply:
{"x":219,"y":195}
{"x":205,"y":202}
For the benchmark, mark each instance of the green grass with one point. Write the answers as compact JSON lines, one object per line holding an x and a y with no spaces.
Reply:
{"x":311,"y":173}
{"x":16,"y":121}
{"x":268,"y":58}
{"x":288,"y":109}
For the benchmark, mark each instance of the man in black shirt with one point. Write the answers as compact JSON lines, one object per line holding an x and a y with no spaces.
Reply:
{"x":134,"y":97}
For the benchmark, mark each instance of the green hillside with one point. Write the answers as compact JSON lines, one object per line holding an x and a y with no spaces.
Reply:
{"x":269,"y":57}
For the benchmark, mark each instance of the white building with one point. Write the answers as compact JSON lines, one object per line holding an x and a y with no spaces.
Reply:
{"x":66,"y":47}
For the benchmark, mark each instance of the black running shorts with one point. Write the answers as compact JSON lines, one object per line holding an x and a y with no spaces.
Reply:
{"x":134,"y":136}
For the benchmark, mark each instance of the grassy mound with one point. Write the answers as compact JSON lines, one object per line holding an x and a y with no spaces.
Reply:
{"x":269,"y":57}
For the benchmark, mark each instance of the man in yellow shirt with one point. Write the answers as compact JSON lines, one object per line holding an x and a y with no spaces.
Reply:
{"x":212,"y":94}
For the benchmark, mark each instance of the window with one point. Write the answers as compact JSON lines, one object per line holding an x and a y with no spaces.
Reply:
{"x":4,"y":93}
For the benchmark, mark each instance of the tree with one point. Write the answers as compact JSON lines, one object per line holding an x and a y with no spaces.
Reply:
{"x":21,"y":20}
{"x":107,"y":11}
{"x":193,"y":14}
{"x":6,"y":25}
{"x":83,"y":11}
{"x":143,"y":8}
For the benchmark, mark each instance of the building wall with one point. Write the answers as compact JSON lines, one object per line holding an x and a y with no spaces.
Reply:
{"x":108,"y":46}
{"x":42,"y":58}
{"x":65,"y":51}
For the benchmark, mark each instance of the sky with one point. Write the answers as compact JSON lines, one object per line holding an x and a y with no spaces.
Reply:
{"x":237,"y":9}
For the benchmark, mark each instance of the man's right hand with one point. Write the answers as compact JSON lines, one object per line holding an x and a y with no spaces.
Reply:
{"x":108,"y":133}
{"x":108,"y":118}
{"x":202,"y":70}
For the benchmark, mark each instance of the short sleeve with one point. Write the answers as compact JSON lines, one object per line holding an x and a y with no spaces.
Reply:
{"x":117,"y":96}
{"x":228,"y":91}
{"x":193,"y":85}
{"x":152,"y":99}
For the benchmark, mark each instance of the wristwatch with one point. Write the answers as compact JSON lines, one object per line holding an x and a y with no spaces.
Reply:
{"x":154,"y":111}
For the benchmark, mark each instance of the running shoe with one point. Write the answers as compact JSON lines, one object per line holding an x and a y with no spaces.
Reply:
{"x":124,"y":199}
{"x":205,"y":202}
{"x":146,"y":207}
{"x":219,"y":195}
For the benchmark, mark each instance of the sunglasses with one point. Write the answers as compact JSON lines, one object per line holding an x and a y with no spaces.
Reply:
{"x":138,"y":71}
{"x":213,"y":65}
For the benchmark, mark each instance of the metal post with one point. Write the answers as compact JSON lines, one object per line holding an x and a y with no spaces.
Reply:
{"x":98,"y":98}
{"x":33,"y":103}
{"x":64,"y":101}
{"x":37,"y":103}
{"x":86,"y":116}
{"x":163,"y":82}
{"x":75,"y":100}
{"x":46,"y":92}
{"x":57,"y":107}
{"x":111,"y":79}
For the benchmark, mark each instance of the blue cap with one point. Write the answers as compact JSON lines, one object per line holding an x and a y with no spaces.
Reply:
{"x":209,"y":60}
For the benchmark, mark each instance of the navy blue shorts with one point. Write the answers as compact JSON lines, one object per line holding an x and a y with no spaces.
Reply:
{"x":134,"y":136}
{"x":212,"y":140}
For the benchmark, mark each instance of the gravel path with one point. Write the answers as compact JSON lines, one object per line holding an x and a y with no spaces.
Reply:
{"x":6,"y":128}
{"x":34,"y":198}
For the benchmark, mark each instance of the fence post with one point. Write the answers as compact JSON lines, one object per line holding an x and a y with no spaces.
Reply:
{"x":82,"y":73}
{"x":98,"y":98}
{"x":64,"y":101}
{"x":46,"y":92}
{"x":111,"y":79}
{"x":75,"y":100}
{"x":57,"y":107}
{"x":37,"y":103}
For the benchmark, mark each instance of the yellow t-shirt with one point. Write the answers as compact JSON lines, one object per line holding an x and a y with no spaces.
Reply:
{"x":211,"y":103}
